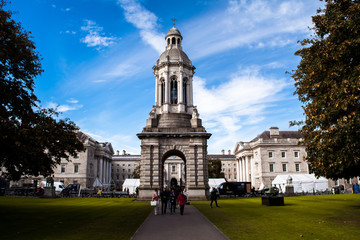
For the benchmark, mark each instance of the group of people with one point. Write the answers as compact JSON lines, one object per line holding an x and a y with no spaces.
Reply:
{"x":171,"y":198}
{"x":176,"y":197}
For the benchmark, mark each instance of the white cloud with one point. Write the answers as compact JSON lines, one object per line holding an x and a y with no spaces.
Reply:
{"x":94,"y":37}
{"x":63,"y":107}
{"x":258,"y":23}
{"x":145,"y":21}
{"x":242,"y":101}
{"x":72,"y":100}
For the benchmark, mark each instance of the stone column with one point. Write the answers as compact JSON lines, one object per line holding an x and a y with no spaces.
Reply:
{"x":157,"y":90}
{"x":179,"y":167}
{"x":167,"y":91}
{"x":246,"y":169}
{"x":101,"y":170}
{"x":191,"y":92}
{"x":237,"y":170}
{"x":244,"y":173}
{"x":180,"y":88}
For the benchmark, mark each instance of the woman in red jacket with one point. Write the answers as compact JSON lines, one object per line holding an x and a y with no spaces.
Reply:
{"x":181,"y":201}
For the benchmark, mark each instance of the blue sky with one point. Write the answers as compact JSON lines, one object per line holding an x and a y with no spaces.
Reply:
{"x":98,"y":57}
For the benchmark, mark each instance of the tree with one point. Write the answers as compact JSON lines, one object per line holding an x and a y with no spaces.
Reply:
{"x":215,"y":169}
{"x":136,"y":173}
{"x":327,"y":82}
{"x":32,"y":140}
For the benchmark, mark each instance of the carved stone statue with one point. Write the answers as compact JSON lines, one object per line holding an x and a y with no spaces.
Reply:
{"x":195,"y":113}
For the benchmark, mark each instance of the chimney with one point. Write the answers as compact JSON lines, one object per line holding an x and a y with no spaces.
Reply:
{"x":118,"y":152}
{"x":229,"y":152}
{"x":124,"y":152}
{"x":223,"y":152}
{"x":274,"y":132}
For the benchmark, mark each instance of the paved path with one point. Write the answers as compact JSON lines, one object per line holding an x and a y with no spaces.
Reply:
{"x":191,"y":225}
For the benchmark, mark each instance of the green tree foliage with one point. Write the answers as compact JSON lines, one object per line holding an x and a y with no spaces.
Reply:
{"x":327,"y":82}
{"x":215,"y":169}
{"x":32,"y":140}
{"x":136,"y":173}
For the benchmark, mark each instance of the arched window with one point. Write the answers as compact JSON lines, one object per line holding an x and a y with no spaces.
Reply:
{"x":168,"y":42}
{"x":173,"y":40}
{"x":178,"y":41}
{"x":184,"y":91}
{"x":162,"y":92}
{"x":173,"y":91}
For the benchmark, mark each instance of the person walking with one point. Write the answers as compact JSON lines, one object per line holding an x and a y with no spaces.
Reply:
{"x":172,"y":201}
{"x":156,"y":198}
{"x":213,"y":197}
{"x":181,"y":200}
{"x":164,"y":196}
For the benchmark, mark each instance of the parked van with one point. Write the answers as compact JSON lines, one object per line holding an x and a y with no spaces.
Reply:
{"x":234,"y":188}
{"x":59,"y":186}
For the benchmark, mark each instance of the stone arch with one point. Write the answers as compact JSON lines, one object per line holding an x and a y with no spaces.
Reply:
{"x":173,"y":40}
{"x":162,"y":91}
{"x":173,"y":90}
{"x":178,"y":41}
{"x":179,"y":152}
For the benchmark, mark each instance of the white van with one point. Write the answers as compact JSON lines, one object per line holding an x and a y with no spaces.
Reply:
{"x":59,"y":186}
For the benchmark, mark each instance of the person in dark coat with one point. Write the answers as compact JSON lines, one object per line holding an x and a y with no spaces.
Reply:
{"x":164,"y":195}
{"x":172,"y":201}
{"x":213,"y":197}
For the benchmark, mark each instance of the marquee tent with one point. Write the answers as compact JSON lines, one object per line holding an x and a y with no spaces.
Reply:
{"x":214,"y":182}
{"x":131,"y":184}
{"x":97,"y":183}
{"x":302,"y":183}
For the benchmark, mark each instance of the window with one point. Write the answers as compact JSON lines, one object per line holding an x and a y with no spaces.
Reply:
{"x":297,"y":167}
{"x":184,"y":92}
{"x":229,"y":169}
{"x":123,"y":165}
{"x":123,"y":177}
{"x":270,"y":154}
{"x":284,"y":167}
{"x":296,"y":154}
{"x":129,"y":165}
{"x":117,"y":177}
{"x":229,"y":176}
{"x":117,"y":170}
{"x":173,"y":41}
{"x":162,"y":92}
{"x":283,"y":154}
{"x":117,"y":164}
{"x":228,"y":164}
{"x":123,"y":170}
{"x":173,"y":168}
{"x":234,"y":176}
{"x":62,"y":169}
{"x":128,"y":170}
{"x":223,"y":169}
{"x":271,"y":167}
{"x":173,"y":91}
{"x":76,"y":168}
{"x":234,"y":169}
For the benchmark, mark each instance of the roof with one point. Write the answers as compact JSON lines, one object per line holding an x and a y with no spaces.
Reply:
{"x":282,"y":134}
{"x":222,"y":157}
{"x":174,"y":55}
{"x":126,"y":157}
{"x":173,"y":31}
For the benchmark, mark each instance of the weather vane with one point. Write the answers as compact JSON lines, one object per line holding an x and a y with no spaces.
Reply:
{"x":174,"y":19}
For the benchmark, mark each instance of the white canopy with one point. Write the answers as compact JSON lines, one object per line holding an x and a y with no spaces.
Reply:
{"x":214,"y":182}
{"x":302,"y":182}
{"x":97,"y":183}
{"x":131,"y":184}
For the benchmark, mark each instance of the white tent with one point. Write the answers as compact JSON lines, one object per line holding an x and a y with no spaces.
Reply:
{"x":214,"y":182}
{"x":131,"y":184}
{"x":302,"y":183}
{"x":97,"y":183}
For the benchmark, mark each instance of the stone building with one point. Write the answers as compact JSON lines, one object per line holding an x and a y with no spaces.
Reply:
{"x":94,"y":162}
{"x":269,"y":154}
{"x":174,"y":127}
{"x":123,"y":166}
{"x":228,"y":165}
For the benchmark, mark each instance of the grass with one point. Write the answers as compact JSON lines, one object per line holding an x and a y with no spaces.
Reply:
{"x":70,"y":218}
{"x":307,"y":217}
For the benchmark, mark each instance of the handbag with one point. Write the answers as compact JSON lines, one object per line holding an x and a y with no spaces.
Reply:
{"x":153,"y":203}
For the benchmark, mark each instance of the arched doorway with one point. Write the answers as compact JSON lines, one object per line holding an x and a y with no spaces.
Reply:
{"x":173,"y":169}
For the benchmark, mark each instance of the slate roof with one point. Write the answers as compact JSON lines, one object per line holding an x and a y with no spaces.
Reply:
{"x":282,"y":134}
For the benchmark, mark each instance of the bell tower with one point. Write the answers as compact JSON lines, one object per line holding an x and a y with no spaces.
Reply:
{"x":174,"y":128}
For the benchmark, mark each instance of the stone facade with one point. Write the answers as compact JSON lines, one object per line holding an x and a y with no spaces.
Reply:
{"x":123,"y":167}
{"x":174,"y":127}
{"x":94,"y":162}
{"x":228,"y":165}
{"x":269,"y":154}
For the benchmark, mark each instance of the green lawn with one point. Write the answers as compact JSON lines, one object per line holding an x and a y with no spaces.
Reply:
{"x":308,"y":217}
{"x":70,"y":218}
